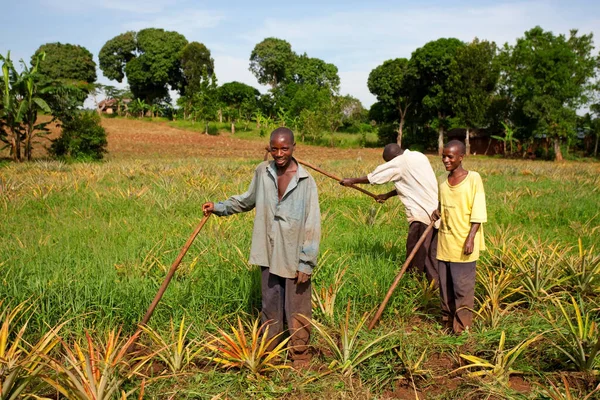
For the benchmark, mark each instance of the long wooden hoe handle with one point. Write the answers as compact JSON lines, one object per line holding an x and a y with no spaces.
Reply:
{"x":402,"y":271}
{"x":337,"y":178}
{"x":168,"y":278}
{"x":327,"y":174}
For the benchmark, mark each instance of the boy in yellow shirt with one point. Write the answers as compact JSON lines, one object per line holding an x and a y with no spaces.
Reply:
{"x":460,"y":237}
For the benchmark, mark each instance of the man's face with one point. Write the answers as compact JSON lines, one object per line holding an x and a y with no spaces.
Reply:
{"x":282,"y":149}
{"x":452,"y":158}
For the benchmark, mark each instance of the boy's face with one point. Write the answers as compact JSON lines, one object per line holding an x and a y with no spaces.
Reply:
{"x":282,"y":150}
{"x":452,"y":158}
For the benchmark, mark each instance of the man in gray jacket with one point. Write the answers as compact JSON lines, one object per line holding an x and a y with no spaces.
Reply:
{"x":285,"y":239}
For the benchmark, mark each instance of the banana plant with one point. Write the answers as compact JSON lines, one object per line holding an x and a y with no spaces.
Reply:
{"x":258,"y":117}
{"x":138,"y":106}
{"x":283,"y":117}
{"x":508,"y":140}
{"x":21,"y":102}
{"x":154,"y":109}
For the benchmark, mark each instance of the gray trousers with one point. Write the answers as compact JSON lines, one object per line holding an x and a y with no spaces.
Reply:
{"x":457,"y":292}
{"x":283,"y":298}
{"x":425,"y":260}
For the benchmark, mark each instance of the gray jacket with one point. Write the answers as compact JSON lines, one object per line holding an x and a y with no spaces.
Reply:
{"x":286,"y":233}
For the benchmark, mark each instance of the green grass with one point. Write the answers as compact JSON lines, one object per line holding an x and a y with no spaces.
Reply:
{"x":92,"y":243}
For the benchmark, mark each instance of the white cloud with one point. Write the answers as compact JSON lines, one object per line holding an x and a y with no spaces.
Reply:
{"x":186,"y":22}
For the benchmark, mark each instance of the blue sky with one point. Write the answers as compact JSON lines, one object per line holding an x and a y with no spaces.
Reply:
{"x":354,"y":35}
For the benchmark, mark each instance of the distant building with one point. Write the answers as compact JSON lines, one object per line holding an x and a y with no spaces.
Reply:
{"x":481,"y":140}
{"x":110,"y":106}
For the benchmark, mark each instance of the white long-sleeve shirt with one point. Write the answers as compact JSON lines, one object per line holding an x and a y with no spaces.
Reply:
{"x":415,"y":183}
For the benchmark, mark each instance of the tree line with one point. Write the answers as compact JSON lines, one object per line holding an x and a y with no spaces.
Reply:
{"x":531,"y":90}
{"x":528,"y":91}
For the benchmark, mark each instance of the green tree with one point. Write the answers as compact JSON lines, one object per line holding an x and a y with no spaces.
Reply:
{"x":66,"y":62}
{"x":433,"y":66}
{"x":333,"y":114}
{"x":472,"y":83}
{"x":299,"y":84}
{"x":548,"y":76}
{"x":294,"y":97}
{"x":203,"y":104}
{"x":150,"y":59}
{"x":196,"y":61}
{"x":241,"y":100}
{"x":314,"y":71}
{"x":393,"y":83}
{"x":271,"y":61}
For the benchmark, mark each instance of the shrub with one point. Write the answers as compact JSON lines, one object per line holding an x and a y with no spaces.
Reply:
{"x":82,"y":138}
{"x":213,"y":129}
{"x":387,"y":133}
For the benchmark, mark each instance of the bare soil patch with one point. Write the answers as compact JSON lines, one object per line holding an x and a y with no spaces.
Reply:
{"x":137,"y":139}
{"x":140,"y":139}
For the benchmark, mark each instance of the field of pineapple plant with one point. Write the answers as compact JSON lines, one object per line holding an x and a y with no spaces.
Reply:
{"x":85,"y":247}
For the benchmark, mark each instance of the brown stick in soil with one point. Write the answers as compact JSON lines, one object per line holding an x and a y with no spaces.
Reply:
{"x":327,"y":174}
{"x":402,"y":271}
{"x":167,"y":280}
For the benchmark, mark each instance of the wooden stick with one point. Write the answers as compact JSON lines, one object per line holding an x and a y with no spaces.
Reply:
{"x":402,"y":271}
{"x":168,"y":278}
{"x":374,"y":196}
{"x":327,"y":174}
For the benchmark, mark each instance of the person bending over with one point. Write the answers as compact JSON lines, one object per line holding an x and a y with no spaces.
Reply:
{"x":416,"y":185}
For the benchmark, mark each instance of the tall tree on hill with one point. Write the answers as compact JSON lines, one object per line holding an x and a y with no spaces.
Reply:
{"x":150,"y":59}
{"x":549,"y":77}
{"x":472,"y":82}
{"x":197,"y":66}
{"x":195,"y":63}
{"x":433,"y":66}
{"x":393,"y":83}
{"x":66,"y":62}
{"x":314,"y":71}
{"x":271,"y":60}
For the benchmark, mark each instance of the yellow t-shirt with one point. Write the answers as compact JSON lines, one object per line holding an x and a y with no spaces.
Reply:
{"x":460,"y":206}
